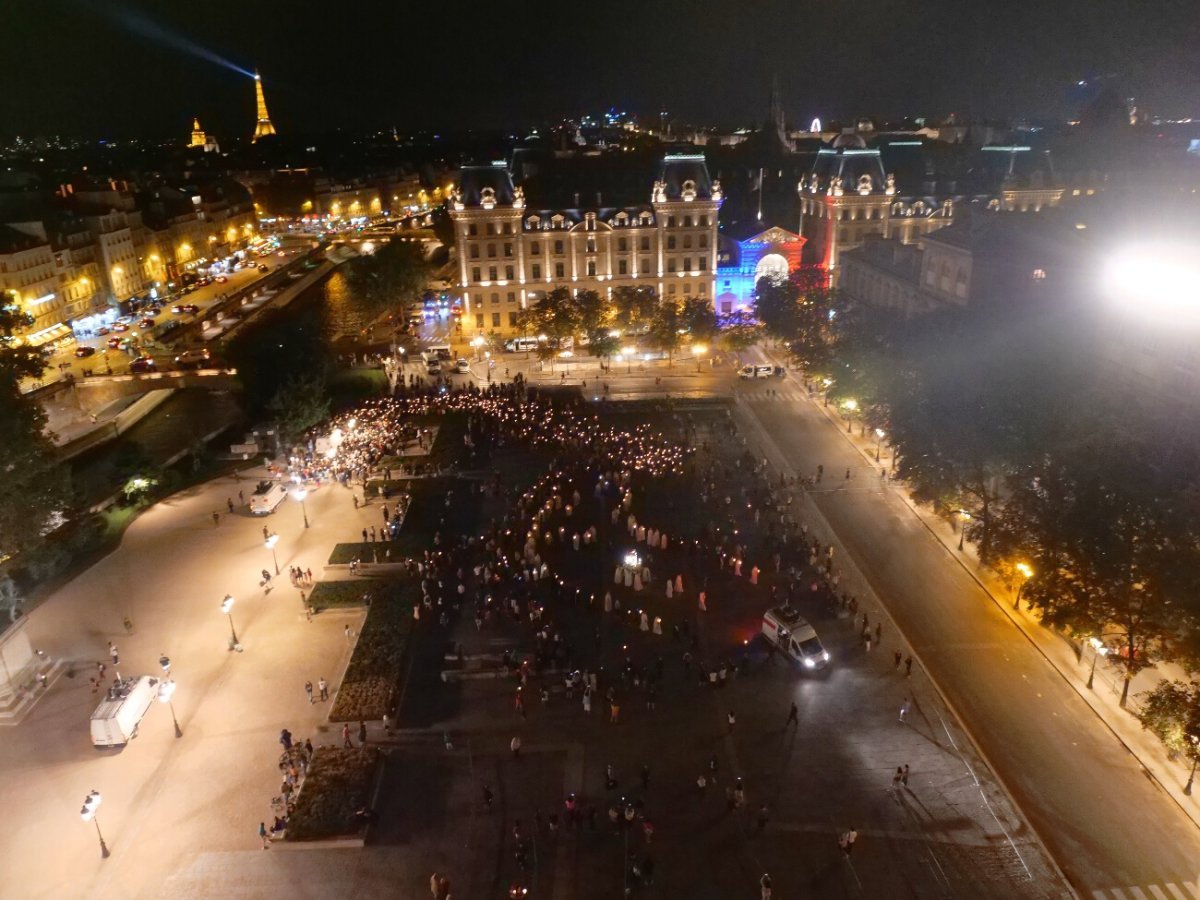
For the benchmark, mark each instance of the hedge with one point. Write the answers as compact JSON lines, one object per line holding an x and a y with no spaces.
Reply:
{"x":337,"y":786}
{"x":377,"y":664}
{"x":338,"y":595}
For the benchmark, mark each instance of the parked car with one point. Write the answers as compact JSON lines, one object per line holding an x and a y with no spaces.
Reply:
{"x":462,"y":367}
{"x":192,"y":359}
{"x":81,"y":352}
{"x":114,"y":342}
{"x":142,"y":365}
{"x":190,"y":308}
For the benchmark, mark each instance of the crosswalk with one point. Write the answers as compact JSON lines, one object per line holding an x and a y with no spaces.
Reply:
{"x":780,"y":396}
{"x":1184,"y":890}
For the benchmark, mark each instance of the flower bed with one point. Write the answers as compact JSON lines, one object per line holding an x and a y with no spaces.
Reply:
{"x":336,"y":790}
{"x":338,"y":595}
{"x":376,"y":668}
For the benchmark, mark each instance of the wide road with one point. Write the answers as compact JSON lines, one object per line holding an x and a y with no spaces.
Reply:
{"x":1109,"y":826}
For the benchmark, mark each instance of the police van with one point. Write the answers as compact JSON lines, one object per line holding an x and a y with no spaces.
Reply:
{"x":786,"y":629}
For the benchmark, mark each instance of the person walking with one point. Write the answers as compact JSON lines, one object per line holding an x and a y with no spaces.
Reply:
{"x":113,"y":654}
{"x":285,"y":739}
{"x":898,"y":656}
{"x":908,"y":667}
{"x":904,"y":776}
{"x":263,"y":836}
{"x":846,"y":841}
{"x":764,"y":886}
{"x":897,"y":778}
{"x":308,"y":689}
{"x":793,"y":716}
{"x":515,"y":746}
{"x":730,"y":720}
{"x":266,"y":533}
{"x":323,"y":687}
{"x":903,"y":710}
{"x":229,"y":503}
{"x":346,"y":736}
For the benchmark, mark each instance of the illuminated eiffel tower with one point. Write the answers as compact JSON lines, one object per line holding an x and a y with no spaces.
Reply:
{"x":263,"y":127}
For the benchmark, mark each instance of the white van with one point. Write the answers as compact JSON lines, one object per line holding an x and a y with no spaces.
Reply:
{"x":267,"y":496}
{"x":790,"y":632}
{"x":521,"y":344}
{"x":115,"y":721}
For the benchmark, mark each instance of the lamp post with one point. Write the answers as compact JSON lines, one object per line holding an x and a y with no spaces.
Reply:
{"x":964,"y":517}
{"x":299,"y":494}
{"x":699,"y":350}
{"x":477,"y":342}
{"x":166,"y":690}
{"x":488,"y":364}
{"x":270,"y":543}
{"x":1026,"y":572}
{"x":1187,"y":788}
{"x":227,"y":608}
{"x":879,"y":436}
{"x":627,"y":352}
{"x":1100,"y":650}
{"x":91,"y":803}
{"x":850,"y":406}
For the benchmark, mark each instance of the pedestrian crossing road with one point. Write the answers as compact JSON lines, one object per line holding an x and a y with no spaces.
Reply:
{"x":1184,"y":890}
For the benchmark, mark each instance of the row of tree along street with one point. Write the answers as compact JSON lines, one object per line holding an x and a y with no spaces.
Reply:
{"x":1079,"y":490}
{"x":606,"y":325}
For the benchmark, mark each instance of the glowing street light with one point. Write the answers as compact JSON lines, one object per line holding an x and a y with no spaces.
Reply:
{"x":964,"y":518}
{"x":1026,"y":572}
{"x":851,"y":406}
{"x":166,"y":690}
{"x":91,"y":803}
{"x":699,"y":350}
{"x":227,"y":608}
{"x":1154,"y":279}
{"x":269,"y":543}
{"x":477,"y":342}
{"x":299,"y":494}
{"x":1100,"y":650}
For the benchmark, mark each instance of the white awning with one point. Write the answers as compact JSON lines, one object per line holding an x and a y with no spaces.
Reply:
{"x":46,"y":335}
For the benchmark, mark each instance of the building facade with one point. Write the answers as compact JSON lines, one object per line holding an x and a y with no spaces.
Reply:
{"x":774,"y":253}
{"x":510,"y":255}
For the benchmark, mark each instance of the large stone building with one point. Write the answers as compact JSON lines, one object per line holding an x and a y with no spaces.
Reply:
{"x":849,"y":196}
{"x":510,"y":254}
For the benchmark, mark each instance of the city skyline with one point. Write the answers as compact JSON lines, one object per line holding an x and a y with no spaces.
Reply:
{"x":419,"y":69}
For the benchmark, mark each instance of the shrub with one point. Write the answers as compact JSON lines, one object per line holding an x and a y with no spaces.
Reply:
{"x":377,"y":665}
{"x":337,"y":786}
{"x":339,"y":594}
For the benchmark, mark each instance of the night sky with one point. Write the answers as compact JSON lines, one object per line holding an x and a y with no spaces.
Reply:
{"x":108,"y":68}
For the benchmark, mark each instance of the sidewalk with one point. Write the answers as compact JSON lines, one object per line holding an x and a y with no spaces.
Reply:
{"x":1073,"y":664}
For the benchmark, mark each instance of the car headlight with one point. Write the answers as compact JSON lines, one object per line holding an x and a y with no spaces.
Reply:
{"x":808,"y":663}
{"x":826,"y":655}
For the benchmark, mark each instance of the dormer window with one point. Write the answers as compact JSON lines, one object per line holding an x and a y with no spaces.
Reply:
{"x":688,"y":192}
{"x":487,"y":198}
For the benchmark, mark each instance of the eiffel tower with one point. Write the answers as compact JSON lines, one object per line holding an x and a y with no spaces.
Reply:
{"x":263,"y":127}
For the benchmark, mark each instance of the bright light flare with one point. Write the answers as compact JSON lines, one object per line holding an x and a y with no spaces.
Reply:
{"x":1158,"y":280}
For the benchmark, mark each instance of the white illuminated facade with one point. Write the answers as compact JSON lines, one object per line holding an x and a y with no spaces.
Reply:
{"x":509,"y":255}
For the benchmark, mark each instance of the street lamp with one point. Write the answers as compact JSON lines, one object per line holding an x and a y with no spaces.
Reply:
{"x":699,"y":350}
{"x":299,"y":494}
{"x":227,"y":608}
{"x":487,"y":355}
{"x":879,"y":435}
{"x":1187,"y":788}
{"x":166,"y":690}
{"x":850,"y":406}
{"x":477,"y":342}
{"x":964,"y":518}
{"x":269,"y":543}
{"x":91,"y":803}
{"x":627,"y":352}
{"x":1100,"y":650}
{"x":1026,"y":572}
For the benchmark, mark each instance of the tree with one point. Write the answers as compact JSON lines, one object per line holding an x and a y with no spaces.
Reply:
{"x":555,"y":317}
{"x":815,"y":314}
{"x":739,"y":332}
{"x":1171,"y":711}
{"x":698,"y":319}
{"x":34,"y":486}
{"x":666,"y":328}
{"x":393,"y":276}
{"x":633,"y":309}
{"x":301,"y":402}
{"x":777,"y":305}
